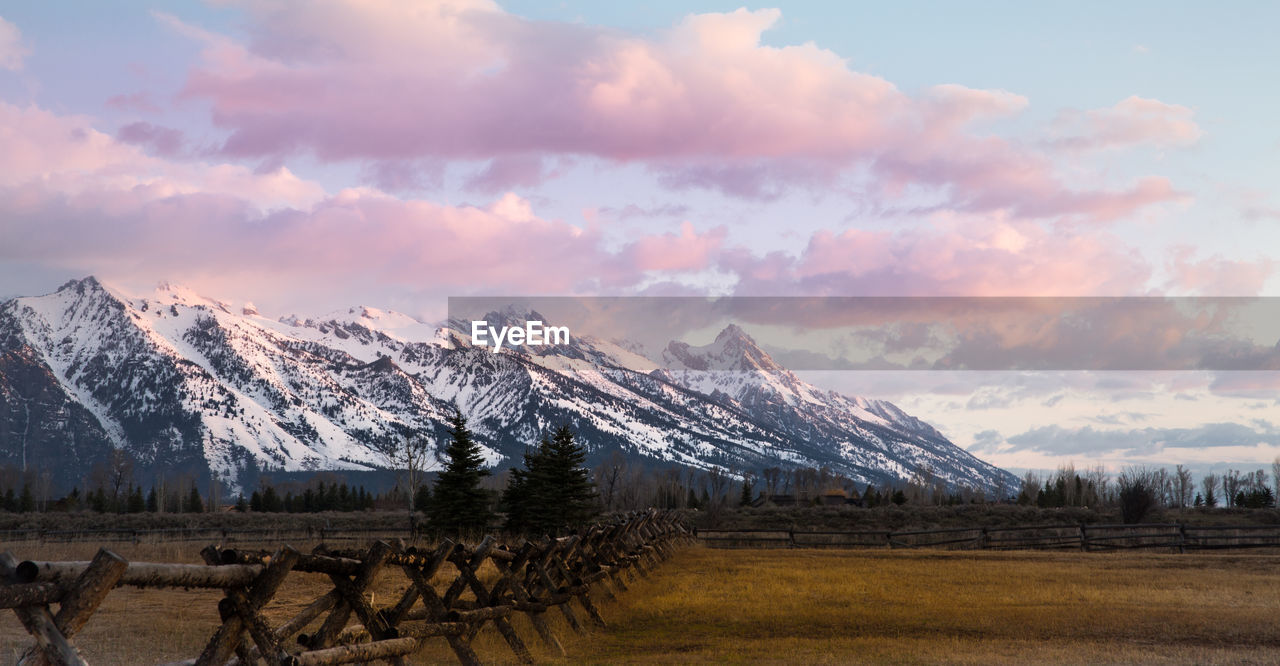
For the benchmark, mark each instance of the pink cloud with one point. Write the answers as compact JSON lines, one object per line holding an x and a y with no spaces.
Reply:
{"x":79,"y":199}
{"x":688,"y":251}
{"x":164,"y":141}
{"x":962,"y":257}
{"x":704,"y":104}
{"x":1215,"y":275}
{"x":504,"y":173}
{"x":1132,"y":121}
{"x":12,"y":50}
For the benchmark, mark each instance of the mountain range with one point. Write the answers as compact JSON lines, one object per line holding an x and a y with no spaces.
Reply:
{"x":186,"y":383}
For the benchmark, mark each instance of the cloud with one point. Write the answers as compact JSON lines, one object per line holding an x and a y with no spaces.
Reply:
{"x":1217,"y":275}
{"x":1056,"y":440}
{"x":1132,"y":121}
{"x":164,"y":141}
{"x":47,"y":153}
{"x":959,"y":255}
{"x":74,"y":197}
{"x":703,"y":104}
{"x":12,"y":50}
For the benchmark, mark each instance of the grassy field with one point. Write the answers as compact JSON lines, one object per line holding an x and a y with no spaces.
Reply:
{"x":815,"y":606}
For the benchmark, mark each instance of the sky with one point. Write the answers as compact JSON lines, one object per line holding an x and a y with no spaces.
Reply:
{"x":311,"y":156}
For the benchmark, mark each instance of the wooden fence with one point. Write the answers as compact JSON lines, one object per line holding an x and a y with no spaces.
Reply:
{"x":205,"y":534}
{"x":1173,"y":537}
{"x":342,"y":626}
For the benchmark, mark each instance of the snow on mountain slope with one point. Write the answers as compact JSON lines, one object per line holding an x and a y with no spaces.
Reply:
{"x":185,"y":382}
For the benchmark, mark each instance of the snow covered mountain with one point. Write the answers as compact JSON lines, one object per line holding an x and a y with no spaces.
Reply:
{"x":187,"y":383}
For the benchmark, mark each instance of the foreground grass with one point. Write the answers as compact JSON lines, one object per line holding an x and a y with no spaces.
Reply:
{"x":798,"y":606}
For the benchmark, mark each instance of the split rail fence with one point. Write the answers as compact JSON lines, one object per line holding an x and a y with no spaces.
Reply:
{"x":342,"y":625}
{"x":1172,"y":537}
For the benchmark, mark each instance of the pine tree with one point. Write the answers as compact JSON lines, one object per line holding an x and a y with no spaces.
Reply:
{"x":518,"y":500}
{"x":26,"y":501}
{"x":554,"y":490}
{"x":271,"y":501}
{"x":242,"y":504}
{"x":573,"y":495}
{"x":460,"y":505}
{"x":421,"y":501}
{"x":136,"y":503}
{"x":153,"y":501}
{"x":194,"y":503}
{"x":746,"y":493}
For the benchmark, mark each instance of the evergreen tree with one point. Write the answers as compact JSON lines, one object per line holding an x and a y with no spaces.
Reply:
{"x":255,"y":501}
{"x":72,"y":500}
{"x":10,"y":501}
{"x":98,"y":501}
{"x":26,"y":501}
{"x":870,"y":498}
{"x":692,"y":500}
{"x":554,"y":490}
{"x":460,"y":505}
{"x":271,"y":501}
{"x":136,"y":503}
{"x":746,"y":493}
{"x":194,"y":503}
{"x":421,"y":501}
{"x":899,"y":497}
{"x":153,"y":501}
{"x":242,"y":504}
{"x":518,"y":500}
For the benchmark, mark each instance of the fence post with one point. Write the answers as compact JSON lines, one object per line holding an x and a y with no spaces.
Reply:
{"x":1182,"y":538}
{"x":983,"y":539}
{"x":1084,"y":538}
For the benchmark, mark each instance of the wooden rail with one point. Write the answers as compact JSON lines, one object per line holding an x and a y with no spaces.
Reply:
{"x":342,"y":625}
{"x":1176,"y":537}
{"x":189,"y":534}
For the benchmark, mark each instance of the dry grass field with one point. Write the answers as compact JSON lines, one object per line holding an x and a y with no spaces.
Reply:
{"x":815,"y":606}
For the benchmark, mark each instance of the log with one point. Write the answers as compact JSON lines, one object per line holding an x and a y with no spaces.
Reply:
{"x":102,"y":575}
{"x":430,"y":629}
{"x":359,"y":653}
{"x":50,"y":643}
{"x":147,"y":574}
{"x":479,"y":614}
{"x":22,"y":595}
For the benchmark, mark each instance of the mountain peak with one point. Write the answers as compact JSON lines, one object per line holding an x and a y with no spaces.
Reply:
{"x":733,"y":332}
{"x":88,"y":283}
{"x":732,"y":351}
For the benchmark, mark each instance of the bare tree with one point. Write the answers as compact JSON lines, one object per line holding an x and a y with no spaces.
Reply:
{"x":1030,"y":486}
{"x":718,"y":482}
{"x":609,"y":474}
{"x":408,"y":455}
{"x":1230,"y":486}
{"x":120,"y":471}
{"x":1138,"y":492}
{"x":1184,"y":486}
{"x":1209,"y":486}
{"x":1275,"y":475}
{"x":772,"y":475}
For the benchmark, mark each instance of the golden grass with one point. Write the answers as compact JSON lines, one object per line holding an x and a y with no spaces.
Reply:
{"x":823,"y":606}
